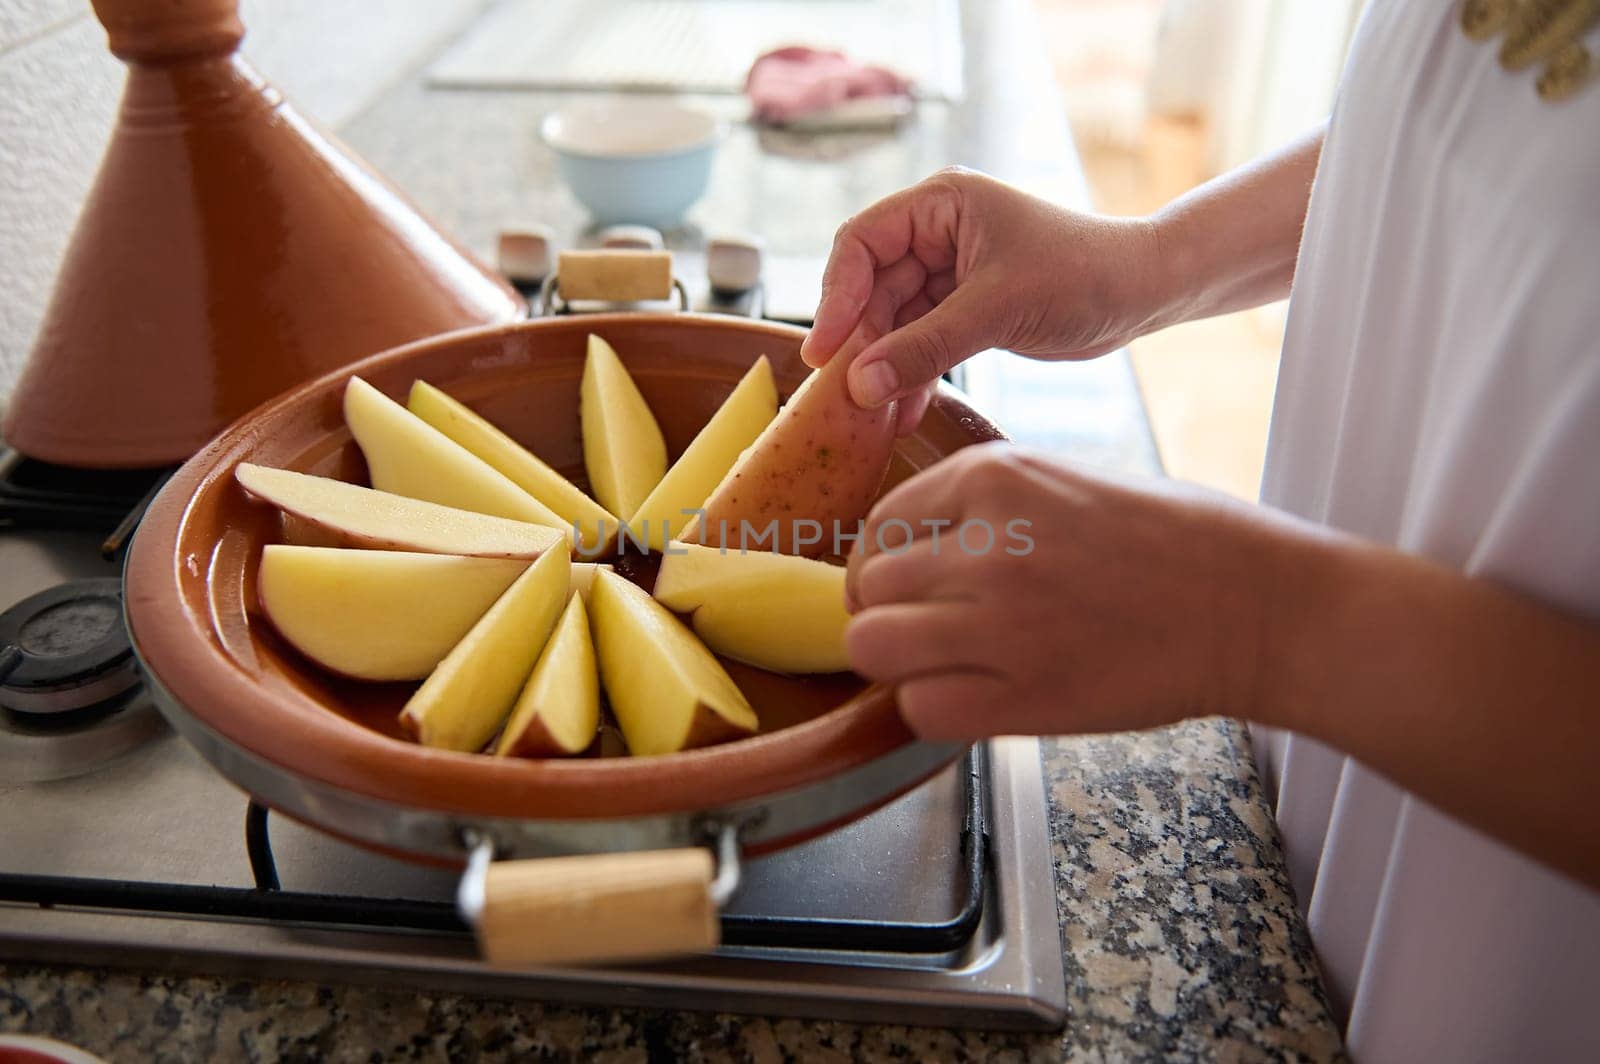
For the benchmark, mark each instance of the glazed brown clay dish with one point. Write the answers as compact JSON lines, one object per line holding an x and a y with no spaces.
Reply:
{"x":330,"y":752}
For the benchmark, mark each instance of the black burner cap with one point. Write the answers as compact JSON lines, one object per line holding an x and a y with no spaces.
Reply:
{"x":70,"y":638}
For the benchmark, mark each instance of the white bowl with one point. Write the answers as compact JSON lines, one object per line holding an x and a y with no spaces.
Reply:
{"x":635,"y":160}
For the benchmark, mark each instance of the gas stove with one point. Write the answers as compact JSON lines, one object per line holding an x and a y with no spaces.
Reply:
{"x":120,"y":846}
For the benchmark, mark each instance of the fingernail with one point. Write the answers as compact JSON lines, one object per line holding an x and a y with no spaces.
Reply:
{"x":877,"y":383}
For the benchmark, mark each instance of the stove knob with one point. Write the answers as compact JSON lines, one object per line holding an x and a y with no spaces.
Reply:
{"x":733,"y":264}
{"x":525,"y":255}
{"x":630,"y":238}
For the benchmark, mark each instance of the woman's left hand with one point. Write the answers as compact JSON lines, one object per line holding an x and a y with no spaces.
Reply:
{"x":1035,"y":597}
{"x":1130,"y":604}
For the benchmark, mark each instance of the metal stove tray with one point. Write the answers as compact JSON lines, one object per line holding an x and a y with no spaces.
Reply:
{"x":162,"y":809}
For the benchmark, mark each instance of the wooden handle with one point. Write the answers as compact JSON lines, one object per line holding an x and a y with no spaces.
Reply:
{"x":615,"y":276}
{"x":605,"y":907}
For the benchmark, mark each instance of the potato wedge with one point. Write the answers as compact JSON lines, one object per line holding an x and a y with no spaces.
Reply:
{"x":774,"y":611}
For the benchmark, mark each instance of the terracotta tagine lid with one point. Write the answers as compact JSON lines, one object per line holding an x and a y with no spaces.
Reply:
{"x":228,"y":250}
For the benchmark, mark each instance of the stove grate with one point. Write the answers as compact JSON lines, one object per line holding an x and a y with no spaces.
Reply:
{"x":267,"y":901}
{"x":39,"y":494}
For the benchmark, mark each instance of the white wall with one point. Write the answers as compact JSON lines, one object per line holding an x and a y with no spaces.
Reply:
{"x":59,"y":89}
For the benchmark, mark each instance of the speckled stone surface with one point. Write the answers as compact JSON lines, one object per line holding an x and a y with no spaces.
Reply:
{"x":1177,"y":920}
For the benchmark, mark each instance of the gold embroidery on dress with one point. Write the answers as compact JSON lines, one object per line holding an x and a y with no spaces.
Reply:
{"x":1569,"y":70}
{"x":1484,"y":19}
{"x":1535,"y":31}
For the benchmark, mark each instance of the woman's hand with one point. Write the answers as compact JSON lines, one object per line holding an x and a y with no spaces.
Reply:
{"x":960,"y":263}
{"x":1123,"y":604}
{"x":1099,"y":605}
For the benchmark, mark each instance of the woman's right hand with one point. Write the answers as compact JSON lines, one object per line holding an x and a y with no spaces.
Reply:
{"x":962,"y":262}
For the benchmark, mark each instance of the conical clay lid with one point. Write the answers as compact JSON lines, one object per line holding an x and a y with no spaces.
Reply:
{"x":228,"y":250}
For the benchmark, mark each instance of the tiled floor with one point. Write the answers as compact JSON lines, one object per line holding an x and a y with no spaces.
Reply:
{"x":1207,"y":385}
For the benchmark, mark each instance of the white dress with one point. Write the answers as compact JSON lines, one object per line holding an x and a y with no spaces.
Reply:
{"x":1440,"y":391}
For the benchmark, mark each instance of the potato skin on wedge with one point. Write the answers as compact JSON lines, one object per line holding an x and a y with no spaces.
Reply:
{"x":811,"y":475}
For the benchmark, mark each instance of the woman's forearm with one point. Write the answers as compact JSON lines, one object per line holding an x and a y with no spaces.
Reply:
{"x":1480,"y":700}
{"x":1232,"y":243}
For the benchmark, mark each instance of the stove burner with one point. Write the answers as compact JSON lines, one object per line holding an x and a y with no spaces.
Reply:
{"x":70,"y":695}
{"x":66,"y":649}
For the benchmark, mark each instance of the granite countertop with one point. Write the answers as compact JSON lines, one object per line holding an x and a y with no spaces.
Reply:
{"x":1179,"y":928}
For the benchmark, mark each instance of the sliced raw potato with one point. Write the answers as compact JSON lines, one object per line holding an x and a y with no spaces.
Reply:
{"x":378,"y":614}
{"x":812,"y":475}
{"x":558,"y":712}
{"x":407,"y":456}
{"x":698,"y":471}
{"x":519,"y":465}
{"x":464,"y":701}
{"x":622,"y":445}
{"x":774,"y":611}
{"x":334,"y":513}
{"x":666,"y":689}
{"x":583,"y":577}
